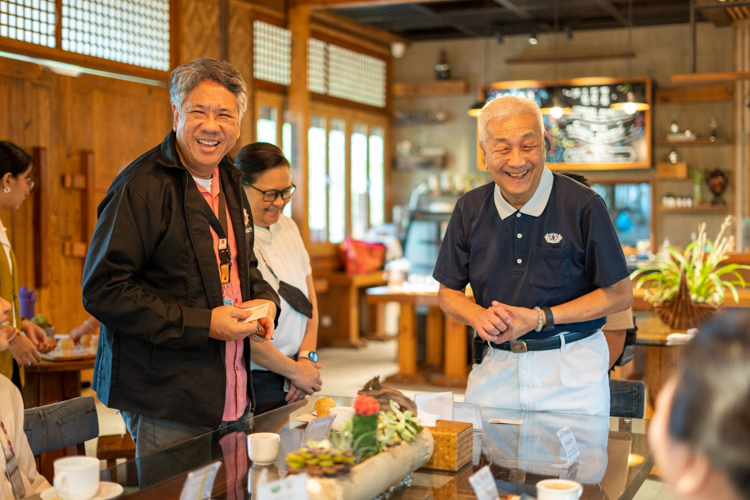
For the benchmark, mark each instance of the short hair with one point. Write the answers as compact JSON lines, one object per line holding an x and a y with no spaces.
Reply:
{"x":13,"y":159}
{"x":188,"y":76}
{"x":508,"y":106}
{"x":577,"y":177}
{"x":256,"y":158}
{"x":711,"y":405}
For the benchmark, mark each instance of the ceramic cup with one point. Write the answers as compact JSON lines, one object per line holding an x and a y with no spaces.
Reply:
{"x":76,"y":478}
{"x":558,"y":489}
{"x":263,"y":447}
{"x":342,"y":414}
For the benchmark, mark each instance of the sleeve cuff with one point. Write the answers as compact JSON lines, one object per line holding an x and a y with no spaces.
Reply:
{"x":196,"y":324}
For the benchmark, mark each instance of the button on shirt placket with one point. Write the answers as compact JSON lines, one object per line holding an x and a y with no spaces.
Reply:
{"x":236,"y":384}
{"x":520,"y":245}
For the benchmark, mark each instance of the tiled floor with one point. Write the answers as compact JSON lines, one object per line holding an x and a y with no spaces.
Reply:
{"x":344,"y":372}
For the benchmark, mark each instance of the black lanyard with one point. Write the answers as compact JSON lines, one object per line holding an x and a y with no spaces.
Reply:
{"x":220,"y":228}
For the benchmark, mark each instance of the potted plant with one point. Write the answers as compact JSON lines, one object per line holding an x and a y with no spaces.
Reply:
{"x":687,"y":288}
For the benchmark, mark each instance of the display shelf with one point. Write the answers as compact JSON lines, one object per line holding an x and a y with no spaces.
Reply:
{"x":691,"y":94}
{"x":699,"y":209}
{"x":429,"y":89}
{"x":701,"y":141}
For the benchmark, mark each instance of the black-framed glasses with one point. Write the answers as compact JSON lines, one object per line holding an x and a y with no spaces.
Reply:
{"x":271,"y":195}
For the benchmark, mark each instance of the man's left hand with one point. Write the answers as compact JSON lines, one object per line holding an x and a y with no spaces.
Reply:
{"x":267,"y":322}
{"x":36,"y":335}
{"x":525,"y":320}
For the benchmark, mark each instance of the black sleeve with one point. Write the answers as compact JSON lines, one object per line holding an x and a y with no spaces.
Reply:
{"x":605,"y":263}
{"x":452,"y":266}
{"x":126,"y":235}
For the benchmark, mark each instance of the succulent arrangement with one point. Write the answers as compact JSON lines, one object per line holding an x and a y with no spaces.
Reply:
{"x":370,"y":431}
{"x":320,"y":459}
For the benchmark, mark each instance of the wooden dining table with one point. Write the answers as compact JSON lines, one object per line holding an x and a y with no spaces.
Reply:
{"x":446,"y":343}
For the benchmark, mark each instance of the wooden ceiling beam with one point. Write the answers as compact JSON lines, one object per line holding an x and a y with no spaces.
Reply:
{"x":335,"y":4}
{"x":351,"y":27}
{"x":519,"y":11}
{"x":610,"y":9}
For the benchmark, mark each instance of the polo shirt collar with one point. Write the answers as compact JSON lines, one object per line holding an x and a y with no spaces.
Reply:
{"x":535,"y":206}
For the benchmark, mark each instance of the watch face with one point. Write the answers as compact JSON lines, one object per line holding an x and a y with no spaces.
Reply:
{"x":313,"y":356}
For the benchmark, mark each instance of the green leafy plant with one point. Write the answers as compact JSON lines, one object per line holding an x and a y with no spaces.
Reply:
{"x":700,"y":263}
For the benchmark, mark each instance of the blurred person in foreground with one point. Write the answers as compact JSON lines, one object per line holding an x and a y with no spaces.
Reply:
{"x":700,"y":434}
{"x":13,"y":442}
{"x":546,"y":268}
{"x":170,"y":272}
{"x":285,"y":369}
{"x":17,"y":179}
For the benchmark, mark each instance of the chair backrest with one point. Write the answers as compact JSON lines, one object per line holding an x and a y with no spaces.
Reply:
{"x":627,"y":398}
{"x":60,"y":425}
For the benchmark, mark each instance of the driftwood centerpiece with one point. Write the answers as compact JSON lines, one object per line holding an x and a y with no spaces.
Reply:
{"x":375,"y":475}
{"x":384,"y":396}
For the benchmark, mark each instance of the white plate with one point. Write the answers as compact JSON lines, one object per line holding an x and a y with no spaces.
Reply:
{"x":106,"y":491}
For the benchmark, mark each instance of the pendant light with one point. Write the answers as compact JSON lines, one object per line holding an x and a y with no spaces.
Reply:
{"x":557,"y":110}
{"x":476,"y":109}
{"x":632,"y":102}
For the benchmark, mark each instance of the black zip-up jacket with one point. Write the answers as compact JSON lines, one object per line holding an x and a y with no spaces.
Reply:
{"x":152,"y":279}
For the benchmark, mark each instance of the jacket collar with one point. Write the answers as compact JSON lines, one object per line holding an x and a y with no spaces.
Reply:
{"x":169,"y":158}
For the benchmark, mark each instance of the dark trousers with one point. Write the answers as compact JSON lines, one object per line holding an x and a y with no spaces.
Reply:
{"x":269,"y":391}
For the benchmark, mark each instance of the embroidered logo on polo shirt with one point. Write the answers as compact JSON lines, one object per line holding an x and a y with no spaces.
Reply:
{"x":553,"y":238}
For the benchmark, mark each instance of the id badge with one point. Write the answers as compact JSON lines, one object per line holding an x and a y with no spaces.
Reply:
{"x":14,"y":476}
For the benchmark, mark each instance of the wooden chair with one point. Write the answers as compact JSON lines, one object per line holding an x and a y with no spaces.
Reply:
{"x":110,"y":448}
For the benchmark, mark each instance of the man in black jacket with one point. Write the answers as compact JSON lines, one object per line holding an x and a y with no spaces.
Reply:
{"x":169,"y":281}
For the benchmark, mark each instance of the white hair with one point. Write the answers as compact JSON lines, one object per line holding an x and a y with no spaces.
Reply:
{"x":508,"y":106}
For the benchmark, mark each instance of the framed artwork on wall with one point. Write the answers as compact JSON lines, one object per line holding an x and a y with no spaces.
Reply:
{"x":590,"y":135}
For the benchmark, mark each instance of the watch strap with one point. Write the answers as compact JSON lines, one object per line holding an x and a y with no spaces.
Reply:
{"x":550,"y":319}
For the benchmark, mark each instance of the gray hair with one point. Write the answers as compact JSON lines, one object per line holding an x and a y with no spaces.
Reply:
{"x":188,"y":76}
{"x":508,"y":106}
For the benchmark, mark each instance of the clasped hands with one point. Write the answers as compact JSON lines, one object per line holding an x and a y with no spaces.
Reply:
{"x":501,"y":322}
{"x":227,"y":325}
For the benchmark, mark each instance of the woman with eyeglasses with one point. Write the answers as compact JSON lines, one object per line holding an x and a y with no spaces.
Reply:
{"x":16,"y":182}
{"x":285,"y":369}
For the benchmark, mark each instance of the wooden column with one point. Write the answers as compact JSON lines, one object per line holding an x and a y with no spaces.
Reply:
{"x":407,"y":341}
{"x":41,"y":219}
{"x":454,"y":362}
{"x":298,"y":104}
{"x":434,"y":337}
{"x":240,"y":50}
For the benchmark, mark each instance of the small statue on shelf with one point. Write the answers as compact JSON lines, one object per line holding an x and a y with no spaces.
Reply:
{"x":713,"y":127}
{"x":717,"y":183}
{"x":442,"y":68}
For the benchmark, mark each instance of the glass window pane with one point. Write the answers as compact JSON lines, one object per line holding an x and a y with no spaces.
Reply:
{"x":377,"y":192}
{"x":267,"y":122}
{"x":316,"y":138}
{"x":337,"y":184}
{"x":359,"y":181}
{"x":286,"y":148}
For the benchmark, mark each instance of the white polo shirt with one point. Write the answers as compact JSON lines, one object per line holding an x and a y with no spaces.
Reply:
{"x":280,"y":246}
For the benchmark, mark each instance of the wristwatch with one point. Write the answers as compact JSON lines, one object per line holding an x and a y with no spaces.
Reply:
{"x":311,"y":355}
{"x":550,"y":319}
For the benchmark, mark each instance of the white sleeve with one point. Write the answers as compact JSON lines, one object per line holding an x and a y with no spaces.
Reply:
{"x":301,"y":250}
{"x":26,"y":464}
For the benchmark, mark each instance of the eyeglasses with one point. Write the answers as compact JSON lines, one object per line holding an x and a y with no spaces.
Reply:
{"x":271,"y":195}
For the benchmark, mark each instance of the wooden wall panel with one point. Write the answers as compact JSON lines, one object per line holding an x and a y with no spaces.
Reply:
{"x":241,"y":56}
{"x":116,"y":120}
{"x":199,"y":35}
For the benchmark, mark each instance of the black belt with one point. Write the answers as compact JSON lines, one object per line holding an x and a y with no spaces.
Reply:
{"x":547,"y":344}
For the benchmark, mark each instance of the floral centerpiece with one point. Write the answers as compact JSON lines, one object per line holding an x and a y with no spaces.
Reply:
{"x":374,"y":452}
{"x":687,"y":288}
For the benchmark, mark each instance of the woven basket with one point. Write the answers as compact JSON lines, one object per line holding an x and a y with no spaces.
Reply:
{"x":681,"y":313}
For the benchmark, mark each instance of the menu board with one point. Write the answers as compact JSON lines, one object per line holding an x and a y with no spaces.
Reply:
{"x":591,"y":135}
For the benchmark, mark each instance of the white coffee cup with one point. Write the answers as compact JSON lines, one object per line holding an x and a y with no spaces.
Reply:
{"x":76,"y":478}
{"x":558,"y":489}
{"x":342,"y":414}
{"x":263,"y":447}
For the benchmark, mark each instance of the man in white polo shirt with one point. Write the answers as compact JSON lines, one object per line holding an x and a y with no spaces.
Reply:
{"x":545,"y":266}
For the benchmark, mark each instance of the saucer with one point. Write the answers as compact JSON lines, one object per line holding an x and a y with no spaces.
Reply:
{"x":106,"y":491}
